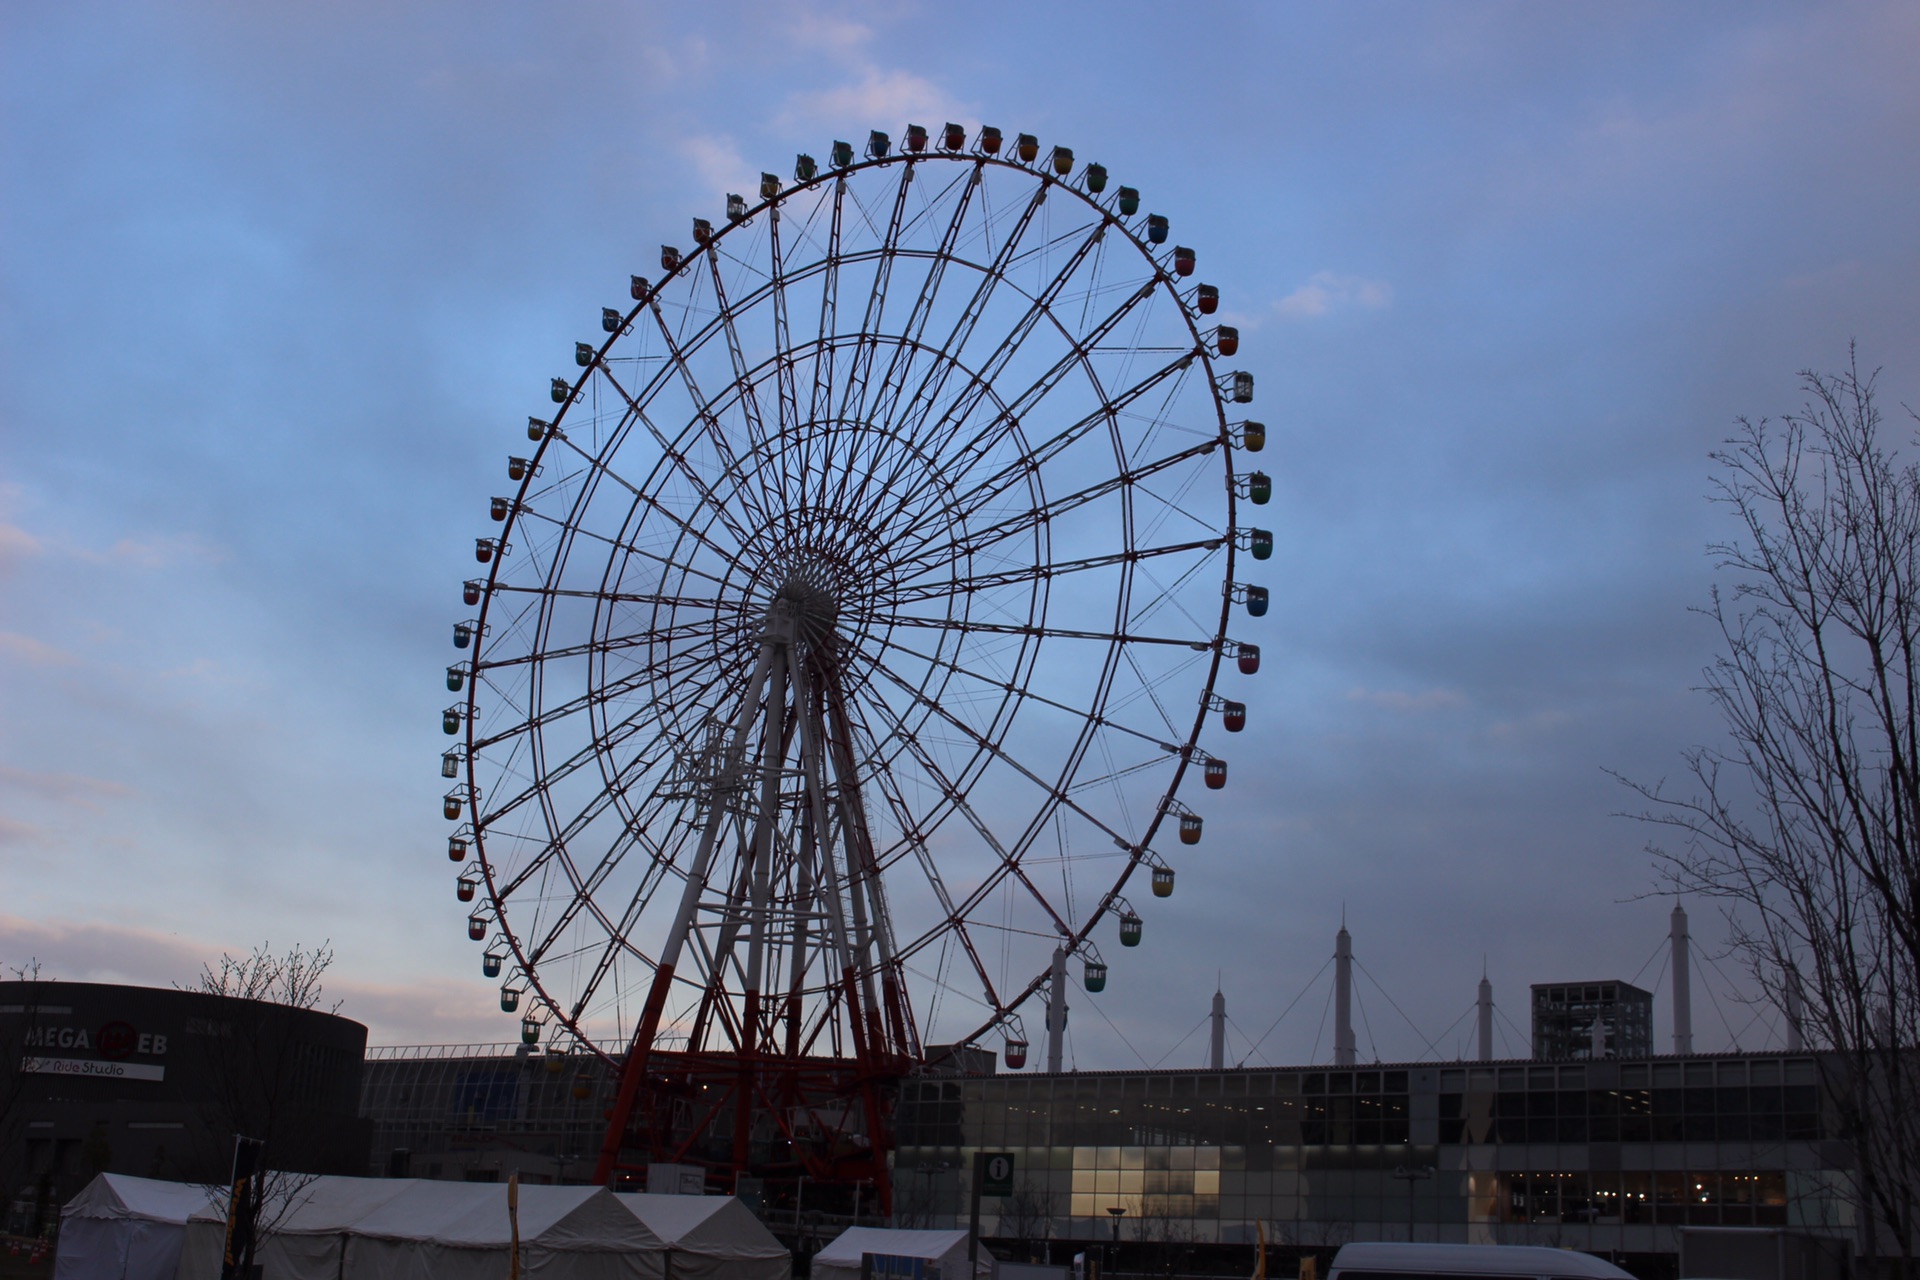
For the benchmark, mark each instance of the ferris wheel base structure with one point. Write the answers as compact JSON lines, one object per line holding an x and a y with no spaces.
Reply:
{"x":824,"y":1123}
{"x":845,"y":645}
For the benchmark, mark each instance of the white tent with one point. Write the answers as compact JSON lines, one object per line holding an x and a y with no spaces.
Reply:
{"x":407,"y":1229}
{"x":840,"y":1260}
{"x":125,"y":1228}
{"x":710,"y":1238}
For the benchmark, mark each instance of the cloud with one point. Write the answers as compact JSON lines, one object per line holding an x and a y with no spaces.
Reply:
{"x":158,"y":551}
{"x":717,"y":163}
{"x":16,"y":544}
{"x":1411,"y":703}
{"x":33,"y":653}
{"x":1328,"y":291}
{"x":830,"y":33}
{"x":88,"y":952}
{"x":61,"y":786}
{"x":16,"y":833}
{"x":877,"y":98}
{"x":1527,"y":726}
{"x":423,"y":1011}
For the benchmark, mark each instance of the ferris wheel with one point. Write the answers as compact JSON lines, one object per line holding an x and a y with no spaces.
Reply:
{"x":848,"y":634}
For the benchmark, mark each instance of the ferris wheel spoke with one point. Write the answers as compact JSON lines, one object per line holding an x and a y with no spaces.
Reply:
{"x":1044,"y":572}
{"x":956,"y":796}
{"x":716,"y":436}
{"x":992,"y":275}
{"x":964,"y":626}
{"x":956,"y":912}
{"x":787,"y":395}
{"x":1002,"y":354}
{"x":1000,"y":753}
{"x":749,"y":403}
{"x":1055,"y":506}
{"x":615,"y":597}
{"x":822,"y":404}
{"x":680,"y":565}
{"x":613,"y":736}
{"x":1166,"y":595}
{"x":561,"y":832}
{"x":916,"y":321}
{"x":1024,"y":693}
{"x":602,"y":644}
{"x":1026,"y":465}
{"x":584,"y":898}
{"x":854,"y":393}
{"x":652,"y":501}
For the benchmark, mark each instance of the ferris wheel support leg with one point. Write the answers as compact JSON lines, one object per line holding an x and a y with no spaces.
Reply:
{"x":743,"y":1091}
{"x":632,"y":1073}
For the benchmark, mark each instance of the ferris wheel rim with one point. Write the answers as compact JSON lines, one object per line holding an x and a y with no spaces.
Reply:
{"x":529,"y":964}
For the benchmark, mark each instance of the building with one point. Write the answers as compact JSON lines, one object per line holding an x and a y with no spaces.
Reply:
{"x":1610,"y":1157}
{"x":99,"y":1078}
{"x":477,"y":1112}
{"x":1585,"y":1021}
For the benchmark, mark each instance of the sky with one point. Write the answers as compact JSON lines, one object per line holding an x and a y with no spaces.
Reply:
{"x":278,"y":284}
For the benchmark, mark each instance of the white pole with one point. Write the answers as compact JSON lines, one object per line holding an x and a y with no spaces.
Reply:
{"x":1219,"y":1055}
{"x":1343,"y":1046}
{"x":1486,"y":1019}
{"x":1057,"y":1013}
{"x":1682,"y":985}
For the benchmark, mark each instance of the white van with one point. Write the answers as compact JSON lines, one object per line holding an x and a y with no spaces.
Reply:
{"x":1468,"y":1262}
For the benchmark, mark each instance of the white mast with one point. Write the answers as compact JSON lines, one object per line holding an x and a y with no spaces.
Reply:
{"x":1343,"y":1046}
{"x":1682,"y":986}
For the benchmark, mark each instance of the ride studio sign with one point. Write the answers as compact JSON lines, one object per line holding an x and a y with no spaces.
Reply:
{"x":113,"y":1043}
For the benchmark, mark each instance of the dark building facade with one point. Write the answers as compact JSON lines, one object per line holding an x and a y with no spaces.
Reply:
{"x":1584,"y":1021}
{"x":102,"y":1078}
{"x":1609,"y":1156}
{"x":478,"y":1112}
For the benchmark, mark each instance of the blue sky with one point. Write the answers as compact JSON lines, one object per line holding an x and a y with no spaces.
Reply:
{"x":278,"y":284}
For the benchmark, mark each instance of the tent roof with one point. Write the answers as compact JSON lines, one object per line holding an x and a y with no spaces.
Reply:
{"x":717,"y":1226}
{"x":119,"y":1195}
{"x":460,"y":1214}
{"x":847,"y":1247}
{"x":1475,"y":1259}
{"x":474,"y":1215}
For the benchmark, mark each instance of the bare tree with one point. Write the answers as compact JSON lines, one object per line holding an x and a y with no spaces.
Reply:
{"x":1806,"y":827}
{"x":260,"y":1068}
{"x":1026,"y":1217}
{"x":292,"y":979}
{"x":17,"y":1042}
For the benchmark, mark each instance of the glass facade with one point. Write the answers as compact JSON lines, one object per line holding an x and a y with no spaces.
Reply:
{"x":1600,"y":1155}
{"x":1571,"y":1020}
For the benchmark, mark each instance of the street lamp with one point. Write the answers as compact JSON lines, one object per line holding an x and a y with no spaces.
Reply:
{"x":1116,"y":1212}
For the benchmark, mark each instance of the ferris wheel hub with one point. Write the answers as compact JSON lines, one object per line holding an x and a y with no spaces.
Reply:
{"x":813,"y":607}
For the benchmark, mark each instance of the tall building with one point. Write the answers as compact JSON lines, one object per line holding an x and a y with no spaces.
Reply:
{"x":1591,"y":1021}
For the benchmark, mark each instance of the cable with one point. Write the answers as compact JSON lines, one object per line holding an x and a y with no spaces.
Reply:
{"x":1525,"y":1040}
{"x":1658,"y":947}
{"x":1095,"y":1006}
{"x":1241,"y":1062}
{"x":1255,"y":1047}
{"x":1448,"y":1030}
{"x":1372,"y":1044}
{"x":1183,"y":1039}
{"x":1402,"y":1012}
{"x":1323,"y":1024}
